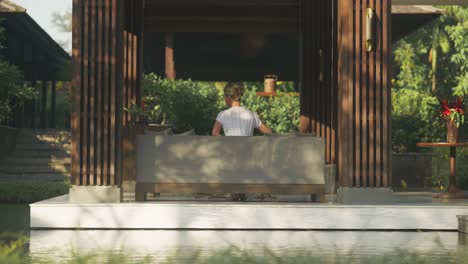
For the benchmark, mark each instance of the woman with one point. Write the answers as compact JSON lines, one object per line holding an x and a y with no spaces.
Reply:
{"x":237,"y":120}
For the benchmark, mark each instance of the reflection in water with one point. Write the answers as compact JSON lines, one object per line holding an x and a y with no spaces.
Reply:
{"x":355,"y":246}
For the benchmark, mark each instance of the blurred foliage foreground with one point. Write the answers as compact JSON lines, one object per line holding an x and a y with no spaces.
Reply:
{"x":13,"y":250}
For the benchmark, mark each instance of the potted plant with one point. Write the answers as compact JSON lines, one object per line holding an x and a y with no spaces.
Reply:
{"x":453,"y":114}
{"x":138,"y":115}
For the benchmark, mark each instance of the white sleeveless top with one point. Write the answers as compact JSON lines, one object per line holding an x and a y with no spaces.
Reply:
{"x":238,"y":121}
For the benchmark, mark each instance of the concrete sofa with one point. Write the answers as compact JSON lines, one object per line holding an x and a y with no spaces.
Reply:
{"x":204,"y":164}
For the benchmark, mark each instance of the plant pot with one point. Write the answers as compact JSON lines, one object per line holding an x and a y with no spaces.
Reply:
{"x":452,"y":132}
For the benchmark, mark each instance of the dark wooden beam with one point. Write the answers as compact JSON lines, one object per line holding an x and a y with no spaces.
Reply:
{"x":43,"y":105}
{"x":53,"y":104}
{"x":169,"y":51}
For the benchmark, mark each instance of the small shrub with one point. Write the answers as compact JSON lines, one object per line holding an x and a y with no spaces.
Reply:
{"x":182,"y":102}
{"x":13,"y":93}
{"x":280,"y":113}
{"x":30,"y":191}
{"x":415,"y":118}
{"x":196,"y":104}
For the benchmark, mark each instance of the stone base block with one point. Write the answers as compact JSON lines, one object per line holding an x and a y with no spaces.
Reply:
{"x":367,"y":196}
{"x":96,"y":194}
{"x":463,"y":223}
{"x":129,"y":187}
{"x":330,"y":176}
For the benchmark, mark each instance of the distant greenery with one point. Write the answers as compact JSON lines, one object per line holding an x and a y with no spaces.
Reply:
{"x":182,"y":102}
{"x":30,"y":191}
{"x":280,"y":113}
{"x":428,"y":65}
{"x":187,"y":103}
{"x":13,"y":92}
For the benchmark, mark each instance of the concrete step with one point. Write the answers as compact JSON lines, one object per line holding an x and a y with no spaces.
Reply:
{"x":49,"y":137}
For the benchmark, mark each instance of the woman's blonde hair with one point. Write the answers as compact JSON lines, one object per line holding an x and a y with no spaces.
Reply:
{"x":234,"y":90}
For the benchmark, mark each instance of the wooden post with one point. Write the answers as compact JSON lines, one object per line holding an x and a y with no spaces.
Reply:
{"x":43,"y":105}
{"x":53,"y":102}
{"x":101,"y":79}
{"x":364,"y":107}
{"x":170,"y":64}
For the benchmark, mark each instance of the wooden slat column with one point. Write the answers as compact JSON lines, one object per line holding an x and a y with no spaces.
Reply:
{"x":318,"y":92}
{"x":363,"y":94}
{"x":98,"y":78}
{"x":133,"y":52}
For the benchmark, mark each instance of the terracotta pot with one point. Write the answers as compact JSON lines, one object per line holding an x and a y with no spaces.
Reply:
{"x":452,"y":132}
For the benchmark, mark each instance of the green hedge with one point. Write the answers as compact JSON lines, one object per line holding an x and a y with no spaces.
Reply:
{"x":196,"y":104}
{"x":30,"y":191}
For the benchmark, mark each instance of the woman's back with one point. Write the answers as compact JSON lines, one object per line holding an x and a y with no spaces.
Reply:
{"x":238,"y":121}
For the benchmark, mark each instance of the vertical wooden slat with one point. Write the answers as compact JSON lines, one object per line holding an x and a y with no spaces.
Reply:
{"x":118,"y":97}
{"x":371,"y":110}
{"x":386,"y":106}
{"x":313,"y":70}
{"x":99,"y":91}
{"x":334,"y":80}
{"x":135,"y":51}
{"x":125,"y":75}
{"x":323,"y":110}
{"x":139,"y":70}
{"x":378,"y":101}
{"x":112,"y":92}
{"x":77,"y":22}
{"x":106,"y":89}
{"x":364,"y":99}
{"x":357,"y":91}
{"x":305,"y":119}
{"x":92,"y":94}
{"x":85,"y":100}
{"x":328,"y":85}
{"x":343,"y":20}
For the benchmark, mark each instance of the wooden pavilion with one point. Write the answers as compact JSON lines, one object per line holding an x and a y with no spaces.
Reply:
{"x":341,"y":64}
{"x":41,"y":59}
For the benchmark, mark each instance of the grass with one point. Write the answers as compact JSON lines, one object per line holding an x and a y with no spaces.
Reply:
{"x":30,"y":191}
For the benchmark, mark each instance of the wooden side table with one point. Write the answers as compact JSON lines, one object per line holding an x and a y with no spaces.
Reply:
{"x":453,"y":191}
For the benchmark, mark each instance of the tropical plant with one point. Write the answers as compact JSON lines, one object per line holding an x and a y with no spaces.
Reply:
{"x":441,"y":42}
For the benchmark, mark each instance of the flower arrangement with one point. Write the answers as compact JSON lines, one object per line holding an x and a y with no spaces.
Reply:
{"x":453,"y":111}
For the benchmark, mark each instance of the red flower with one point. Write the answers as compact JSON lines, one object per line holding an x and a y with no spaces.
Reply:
{"x":445,"y":109}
